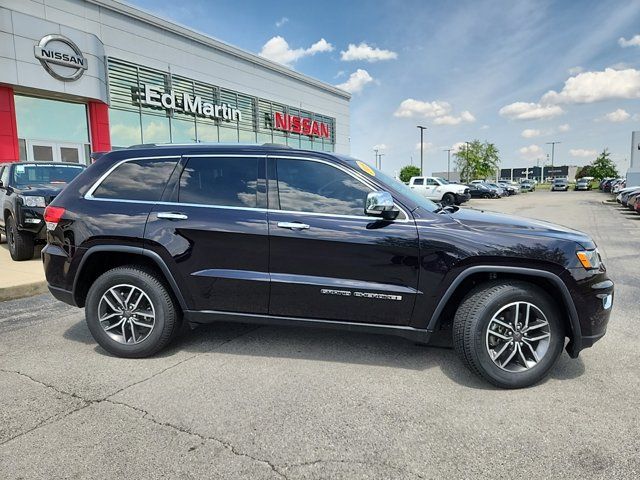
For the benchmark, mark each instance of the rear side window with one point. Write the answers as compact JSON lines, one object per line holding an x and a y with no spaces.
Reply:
{"x":142,"y":180}
{"x":418,"y":181}
{"x":307,"y":186}
{"x":220,"y":181}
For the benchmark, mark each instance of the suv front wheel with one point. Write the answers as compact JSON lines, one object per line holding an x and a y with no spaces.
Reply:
{"x":130,"y":312}
{"x":510,"y":333}
{"x":21,"y":244}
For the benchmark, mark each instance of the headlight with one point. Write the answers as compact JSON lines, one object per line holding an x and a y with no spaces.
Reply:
{"x":33,"y":201}
{"x":590,"y":259}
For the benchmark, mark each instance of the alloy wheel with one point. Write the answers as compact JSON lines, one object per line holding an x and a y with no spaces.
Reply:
{"x":126,"y":314}
{"x":518,"y":337}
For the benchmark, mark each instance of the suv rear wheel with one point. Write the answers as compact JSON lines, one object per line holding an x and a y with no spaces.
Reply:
{"x":21,"y":244}
{"x":130,"y":312}
{"x":510,"y":333}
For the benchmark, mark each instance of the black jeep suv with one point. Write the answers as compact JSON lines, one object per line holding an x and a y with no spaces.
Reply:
{"x":149,"y":237}
{"x":26,"y":188}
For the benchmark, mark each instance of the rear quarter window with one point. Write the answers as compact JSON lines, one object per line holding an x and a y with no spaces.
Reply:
{"x":142,"y":180}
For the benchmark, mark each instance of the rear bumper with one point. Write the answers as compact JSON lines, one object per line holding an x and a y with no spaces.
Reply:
{"x":63,"y":295}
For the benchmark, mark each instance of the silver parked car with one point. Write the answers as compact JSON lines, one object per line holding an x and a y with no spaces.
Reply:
{"x":560,"y":184}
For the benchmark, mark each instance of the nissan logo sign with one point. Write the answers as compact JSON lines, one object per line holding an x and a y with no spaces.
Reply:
{"x":61,"y":57}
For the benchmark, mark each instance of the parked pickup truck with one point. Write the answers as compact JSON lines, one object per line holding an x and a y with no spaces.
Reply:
{"x":439,"y":190}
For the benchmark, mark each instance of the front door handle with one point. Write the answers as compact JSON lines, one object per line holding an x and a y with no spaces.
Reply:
{"x":293,"y":225}
{"x":172,"y":215}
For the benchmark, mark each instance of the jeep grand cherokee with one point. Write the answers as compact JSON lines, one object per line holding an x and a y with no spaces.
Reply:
{"x":149,"y":237}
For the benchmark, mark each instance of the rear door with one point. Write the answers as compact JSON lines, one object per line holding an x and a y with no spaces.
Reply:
{"x":327,"y":259}
{"x":211,"y":229}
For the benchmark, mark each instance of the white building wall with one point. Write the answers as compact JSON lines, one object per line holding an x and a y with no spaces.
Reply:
{"x":109,"y":28}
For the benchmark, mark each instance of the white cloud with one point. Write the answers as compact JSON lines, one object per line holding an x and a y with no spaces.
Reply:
{"x":484,"y":127}
{"x":380,"y":146}
{"x":530,"y":111}
{"x":575,"y":70}
{"x":367,"y":53}
{"x":531,"y":152}
{"x":617,"y":116}
{"x":278,"y":50}
{"x":581,"y":152}
{"x":410,"y":108}
{"x":466,"y":117}
{"x":632,"y":42}
{"x":589,"y":87}
{"x":531,"y":133}
{"x":356,"y":81}
{"x":427,"y":146}
{"x":339,"y":74}
{"x":282,"y":21}
{"x":457,"y":147}
{"x":565,"y":127}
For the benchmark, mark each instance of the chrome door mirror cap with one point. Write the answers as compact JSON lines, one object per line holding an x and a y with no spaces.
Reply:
{"x":381,"y":204}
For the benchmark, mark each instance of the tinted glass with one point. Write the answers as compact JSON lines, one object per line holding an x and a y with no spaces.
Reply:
{"x":32,"y":174}
{"x":307,"y":186}
{"x":431,"y":181}
{"x":220,"y":181}
{"x":137,"y":180}
{"x":418,"y":181}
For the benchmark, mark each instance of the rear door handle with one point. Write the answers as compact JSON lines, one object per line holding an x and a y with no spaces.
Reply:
{"x":293,"y":225}
{"x":172,"y":215}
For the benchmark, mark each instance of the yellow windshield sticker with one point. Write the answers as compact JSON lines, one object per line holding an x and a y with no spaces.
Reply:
{"x":366,"y":168}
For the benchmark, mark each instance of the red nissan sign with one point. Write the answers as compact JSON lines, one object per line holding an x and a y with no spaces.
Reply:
{"x":303,"y":125}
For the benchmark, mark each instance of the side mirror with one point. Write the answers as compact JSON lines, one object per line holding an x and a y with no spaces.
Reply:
{"x":380,"y":204}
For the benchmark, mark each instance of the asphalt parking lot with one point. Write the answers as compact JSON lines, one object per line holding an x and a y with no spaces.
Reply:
{"x":233,"y":401}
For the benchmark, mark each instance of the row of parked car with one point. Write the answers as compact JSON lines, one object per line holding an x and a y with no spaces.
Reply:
{"x":628,"y":197}
{"x":449,"y":193}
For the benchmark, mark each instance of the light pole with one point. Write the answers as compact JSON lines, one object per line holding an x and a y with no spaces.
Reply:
{"x":422,"y":129}
{"x":380,"y":161}
{"x":466,"y":158}
{"x":553,"y":151}
{"x":448,"y":150}
{"x":375,"y":163}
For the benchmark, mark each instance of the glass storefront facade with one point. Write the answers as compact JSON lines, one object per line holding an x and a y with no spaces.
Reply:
{"x":51,"y":130}
{"x":133,"y":122}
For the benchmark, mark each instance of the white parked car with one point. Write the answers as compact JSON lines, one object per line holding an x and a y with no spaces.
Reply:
{"x":439,"y":190}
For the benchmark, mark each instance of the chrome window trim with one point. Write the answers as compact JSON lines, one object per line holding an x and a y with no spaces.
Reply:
{"x":89,"y":194}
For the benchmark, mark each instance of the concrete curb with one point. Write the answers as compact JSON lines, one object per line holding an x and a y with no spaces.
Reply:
{"x":21,"y":291}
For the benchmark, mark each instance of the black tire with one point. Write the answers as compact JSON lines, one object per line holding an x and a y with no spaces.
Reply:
{"x":472,"y":320}
{"x":448,"y":199}
{"x":167,"y":315}
{"x":486,"y":195}
{"x":21,"y":244}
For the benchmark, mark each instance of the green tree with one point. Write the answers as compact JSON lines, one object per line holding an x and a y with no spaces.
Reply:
{"x":603,"y":166}
{"x":409,"y":171}
{"x":476,"y":160}
{"x":586,"y":171}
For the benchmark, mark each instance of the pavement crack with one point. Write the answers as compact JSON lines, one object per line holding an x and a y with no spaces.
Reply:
{"x":227,"y":445}
{"x":47,"y":385}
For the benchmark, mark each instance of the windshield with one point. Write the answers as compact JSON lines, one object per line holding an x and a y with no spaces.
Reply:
{"x":395,"y":184}
{"x":38,"y":174}
{"x":442,"y":181}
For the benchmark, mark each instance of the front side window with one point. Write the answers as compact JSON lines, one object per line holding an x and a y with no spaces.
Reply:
{"x":431,"y":182}
{"x":142,"y":180}
{"x":220,"y":181}
{"x":308,"y":186}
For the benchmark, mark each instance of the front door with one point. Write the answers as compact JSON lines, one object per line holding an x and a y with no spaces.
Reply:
{"x":327,"y":259}
{"x":45,"y":151}
{"x":212,"y":230}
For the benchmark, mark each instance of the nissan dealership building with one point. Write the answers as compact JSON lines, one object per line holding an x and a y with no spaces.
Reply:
{"x":81,"y":76}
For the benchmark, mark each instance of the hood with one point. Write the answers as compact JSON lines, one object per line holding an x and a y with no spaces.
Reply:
{"x":502,"y":223}
{"x":42,"y":190}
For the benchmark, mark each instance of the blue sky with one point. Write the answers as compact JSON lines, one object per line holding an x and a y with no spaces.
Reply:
{"x":515,"y":73}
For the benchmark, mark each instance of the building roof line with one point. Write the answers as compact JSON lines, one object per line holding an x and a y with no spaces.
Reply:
{"x":183,"y":31}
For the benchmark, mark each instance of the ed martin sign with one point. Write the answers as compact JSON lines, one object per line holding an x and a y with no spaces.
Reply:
{"x":187,"y":103}
{"x":60,"y":57}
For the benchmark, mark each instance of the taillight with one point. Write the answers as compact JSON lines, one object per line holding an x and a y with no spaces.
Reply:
{"x":52,"y":216}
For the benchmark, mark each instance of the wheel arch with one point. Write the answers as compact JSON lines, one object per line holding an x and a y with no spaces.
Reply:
{"x":548,"y":281}
{"x":100,"y":258}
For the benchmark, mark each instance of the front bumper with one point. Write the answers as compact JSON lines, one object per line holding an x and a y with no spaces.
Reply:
{"x":31,"y":219}
{"x":593,"y":296}
{"x":462,"y":198}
